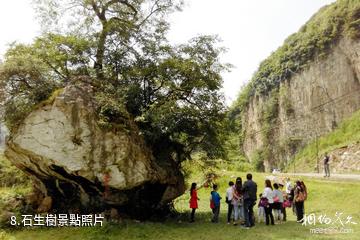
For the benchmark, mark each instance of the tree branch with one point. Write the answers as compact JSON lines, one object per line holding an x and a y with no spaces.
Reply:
{"x":124,"y":2}
{"x":152,"y":11}
{"x":99,"y":14}
{"x":55,"y":70}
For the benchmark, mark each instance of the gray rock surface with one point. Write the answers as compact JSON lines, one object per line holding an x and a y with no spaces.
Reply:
{"x":83,"y":166}
{"x":3,"y":134}
{"x":320,"y":97}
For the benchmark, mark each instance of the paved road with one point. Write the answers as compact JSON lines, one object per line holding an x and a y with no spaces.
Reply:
{"x":351,"y":177}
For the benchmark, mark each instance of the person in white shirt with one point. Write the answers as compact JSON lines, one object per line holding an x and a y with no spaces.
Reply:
{"x":268,"y":193}
{"x":229,"y":198}
{"x":288,"y":186}
{"x":278,"y":202}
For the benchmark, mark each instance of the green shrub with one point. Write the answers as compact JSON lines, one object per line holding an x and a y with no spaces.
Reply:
{"x":348,"y":132}
{"x":257,"y":160}
{"x":268,"y":117}
{"x":10,"y":175}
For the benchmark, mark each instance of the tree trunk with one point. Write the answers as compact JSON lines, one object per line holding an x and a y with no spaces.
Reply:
{"x":98,"y":66}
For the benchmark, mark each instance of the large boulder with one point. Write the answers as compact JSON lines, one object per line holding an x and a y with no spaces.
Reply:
{"x":84,"y":167}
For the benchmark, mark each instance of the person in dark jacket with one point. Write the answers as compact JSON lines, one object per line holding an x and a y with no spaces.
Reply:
{"x":249,"y":191}
{"x":326,"y":165}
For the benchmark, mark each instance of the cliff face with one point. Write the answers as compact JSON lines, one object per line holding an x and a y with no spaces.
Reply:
{"x":304,"y":106}
{"x":3,"y":133}
{"x":84,"y":167}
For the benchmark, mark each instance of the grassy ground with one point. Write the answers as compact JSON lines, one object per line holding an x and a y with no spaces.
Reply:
{"x":347,"y":133}
{"x":325,"y":197}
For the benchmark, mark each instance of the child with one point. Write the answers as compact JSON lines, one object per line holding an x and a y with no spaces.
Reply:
{"x":229,"y":198}
{"x":285,"y":203}
{"x":215,"y":204}
{"x":261,"y":208}
{"x":278,"y":202}
{"x":193,"y":201}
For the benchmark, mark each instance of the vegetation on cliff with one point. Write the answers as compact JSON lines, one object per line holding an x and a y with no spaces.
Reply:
{"x":300,"y":49}
{"x":347,"y":133}
{"x":313,"y":41}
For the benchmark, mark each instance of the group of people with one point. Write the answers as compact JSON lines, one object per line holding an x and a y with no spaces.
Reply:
{"x":276,"y":198}
{"x":242,"y":197}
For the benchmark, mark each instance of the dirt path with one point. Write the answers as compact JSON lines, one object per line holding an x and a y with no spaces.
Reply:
{"x":350,"y":177}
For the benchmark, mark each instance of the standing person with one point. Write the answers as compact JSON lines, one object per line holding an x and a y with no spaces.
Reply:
{"x":229,"y":198}
{"x":215,"y":197}
{"x":286,"y":202}
{"x":326,"y":165}
{"x":278,"y":202}
{"x":237,"y":200}
{"x":249,"y":192}
{"x":268,"y":193}
{"x":303,"y":186}
{"x":299,"y":197}
{"x":288,"y":186}
{"x":193,"y":201}
{"x":261,"y":208}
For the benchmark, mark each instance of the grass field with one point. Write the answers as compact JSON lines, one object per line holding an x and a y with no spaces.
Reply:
{"x":325,"y":197}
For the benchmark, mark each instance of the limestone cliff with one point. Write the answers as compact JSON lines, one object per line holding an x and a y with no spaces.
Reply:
{"x":84,"y":167}
{"x":304,"y":89}
{"x":3,"y":133}
{"x":310,"y":103}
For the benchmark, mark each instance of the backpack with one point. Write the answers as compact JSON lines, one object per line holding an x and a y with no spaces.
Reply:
{"x":264,"y":202}
{"x":300,"y":196}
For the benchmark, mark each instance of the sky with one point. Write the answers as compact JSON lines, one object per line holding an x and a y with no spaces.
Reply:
{"x":249,"y":29}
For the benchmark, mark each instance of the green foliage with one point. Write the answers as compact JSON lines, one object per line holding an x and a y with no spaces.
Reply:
{"x":10,"y":175}
{"x":121,"y":49}
{"x":257,"y":160}
{"x":236,"y":159}
{"x":285,"y":100}
{"x":353,"y":26}
{"x":315,"y":38}
{"x":112,"y":113}
{"x":268,"y":116}
{"x":240,"y":104}
{"x":347,"y":132}
{"x":14,"y":185}
{"x":26,"y":80}
{"x":66,"y":55}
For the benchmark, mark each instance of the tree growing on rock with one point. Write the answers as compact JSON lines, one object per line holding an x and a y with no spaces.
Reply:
{"x":120,"y":47}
